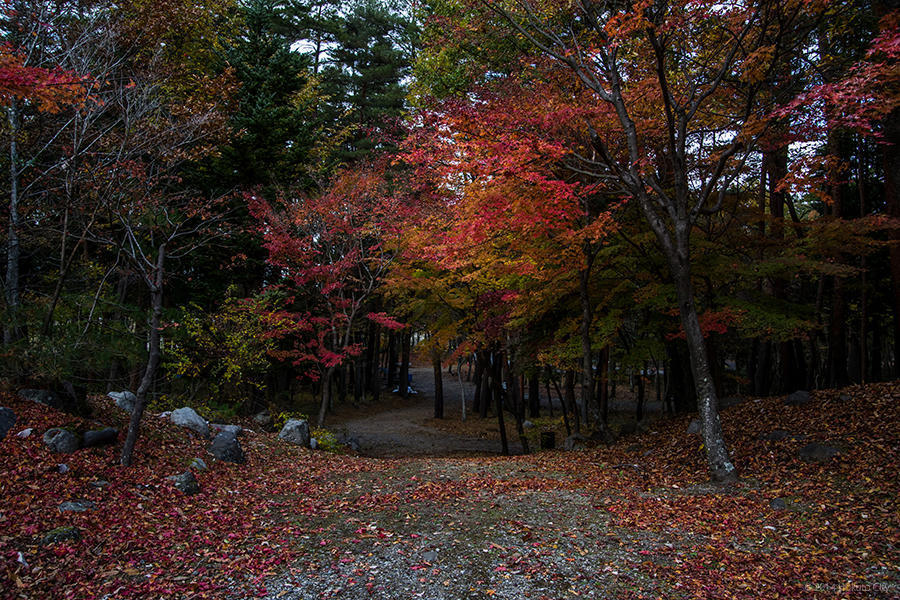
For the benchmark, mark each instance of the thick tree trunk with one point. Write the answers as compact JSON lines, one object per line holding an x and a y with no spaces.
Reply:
{"x":156,"y":295}
{"x":603,"y":386}
{"x":587,"y":366}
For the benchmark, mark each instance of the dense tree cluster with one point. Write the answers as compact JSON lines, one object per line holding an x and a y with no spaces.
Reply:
{"x":241,"y":203}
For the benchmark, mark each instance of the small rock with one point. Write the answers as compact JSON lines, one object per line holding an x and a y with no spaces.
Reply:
{"x":124,"y":400}
{"x":24,"y":433}
{"x":198,"y":464}
{"x":313,"y":443}
{"x":186,"y":483}
{"x":777,"y":435}
{"x":218,"y":427}
{"x":430,"y":556}
{"x":798,"y":398}
{"x":778,"y":504}
{"x":188,"y":417}
{"x":62,"y":468}
{"x":730,"y":401}
{"x":99,"y":484}
{"x":354,"y":444}
{"x":527,"y":424}
{"x":815,"y":452}
{"x":694,"y":427}
{"x":227,"y":448}
{"x":62,"y":441}
{"x":100,"y":437}
{"x":76,"y":506}
{"x":7,"y":420}
{"x":844,"y":398}
{"x":575,"y":442}
{"x":61,"y":534}
{"x":295,"y":431}
{"x":263,"y":418}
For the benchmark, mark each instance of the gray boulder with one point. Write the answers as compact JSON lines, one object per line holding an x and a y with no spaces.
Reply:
{"x":226,"y":447}
{"x":218,"y":427}
{"x":62,"y":441}
{"x":815,"y":452}
{"x":100,"y":437}
{"x":295,"y":431}
{"x":76,"y":506}
{"x":61,"y":534}
{"x":7,"y":420}
{"x":575,"y":442}
{"x":186,"y":483}
{"x":188,"y":417}
{"x":66,"y":397}
{"x":694,"y":428}
{"x":527,"y":424}
{"x":124,"y":400}
{"x":798,"y":398}
{"x":198,"y":464}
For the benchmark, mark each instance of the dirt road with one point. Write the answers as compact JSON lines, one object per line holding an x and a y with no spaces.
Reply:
{"x":403,"y":430}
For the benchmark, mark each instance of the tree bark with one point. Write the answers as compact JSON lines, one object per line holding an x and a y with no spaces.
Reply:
{"x":153,"y":358}
{"x":717,"y":459}
{"x":438,"y":385}
{"x":405,"y":342}
{"x":10,"y":332}
{"x":496,"y":377}
{"x":534,"y":396}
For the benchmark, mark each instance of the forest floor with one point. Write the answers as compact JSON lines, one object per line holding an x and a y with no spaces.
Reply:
{"x":636,"y":520}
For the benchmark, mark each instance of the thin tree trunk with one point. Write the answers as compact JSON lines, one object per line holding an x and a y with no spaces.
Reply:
{"x":562,"y":404}
{"x":570,"y":399}
{"x":326,"y":396}
{"x":156,"y":296}
{"x":10,"y":332}
{"x":497,"y":388}
{"x":717,"y":458}
{"x":438,"y":385}
{"x":534,"y":396}
{"x":405,"y":342}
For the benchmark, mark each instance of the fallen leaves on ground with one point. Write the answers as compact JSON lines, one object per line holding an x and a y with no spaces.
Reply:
{"x":632,"y":521}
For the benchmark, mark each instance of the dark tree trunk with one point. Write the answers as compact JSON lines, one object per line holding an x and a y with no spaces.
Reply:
{"x":438,"y":386}
{"x":393,"y":358}
{"x":480,"y":388}
{"x":562,"y":404}
{"x":405,"y":342}
{"x":497,"y":389}
{"x":639,"y":409}
{"x":534,"y":396}
{"x":153,"y":357}
{"x":603,"y":386}
{"x":570,"y":399}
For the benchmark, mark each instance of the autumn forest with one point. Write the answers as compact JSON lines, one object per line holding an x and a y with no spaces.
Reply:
{"x":636,"y":264}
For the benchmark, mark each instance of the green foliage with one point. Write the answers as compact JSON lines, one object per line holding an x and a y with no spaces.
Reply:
{"x":223,"y":354}
{"x":326,"y":440}
{"x":283,"y":417}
